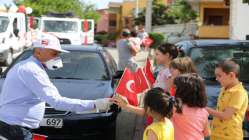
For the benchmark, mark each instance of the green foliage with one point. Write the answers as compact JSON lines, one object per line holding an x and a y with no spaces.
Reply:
{"x":42,"y":7}
{"x":179,"y":12}
{"x":159,"y":15}
{"x":157,"y":38}
{"x":182,"y":12}
{"x":246,"y":1}
{"x":105,"y":38}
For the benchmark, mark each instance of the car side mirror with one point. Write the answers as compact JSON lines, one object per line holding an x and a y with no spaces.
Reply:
{"x":16,"y":31}
{"x":118,"y":74}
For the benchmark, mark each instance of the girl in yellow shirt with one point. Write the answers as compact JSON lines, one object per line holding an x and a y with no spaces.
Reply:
{"x":160,"y":106}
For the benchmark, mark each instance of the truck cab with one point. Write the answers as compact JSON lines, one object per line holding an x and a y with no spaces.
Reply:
{"x":69,"y":30}
{"x":12,"y":36}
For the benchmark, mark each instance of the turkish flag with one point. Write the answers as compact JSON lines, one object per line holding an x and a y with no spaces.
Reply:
{"x":147,"y":42}
{"x":31,"y":20}
{"x":141,"y":81}
{"x":148,"y":72}
{"x":131,"y":84}
{"x":85,"y":26}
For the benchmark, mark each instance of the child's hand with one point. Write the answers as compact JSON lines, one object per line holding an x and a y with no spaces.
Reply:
{"x":120,"y":101}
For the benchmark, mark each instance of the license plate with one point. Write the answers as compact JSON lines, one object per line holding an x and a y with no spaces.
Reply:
{"x":52,"y":122}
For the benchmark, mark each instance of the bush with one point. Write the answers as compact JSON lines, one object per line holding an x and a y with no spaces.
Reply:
{"x":100,"y":37}
{"x":105,"y":38}
{"x":157,"y":38}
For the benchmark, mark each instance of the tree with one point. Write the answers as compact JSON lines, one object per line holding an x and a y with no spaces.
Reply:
{"x":42,"y":7}
{"x":182,"y":12}
{"x":159,"y":15}
{"x":179,"y":12}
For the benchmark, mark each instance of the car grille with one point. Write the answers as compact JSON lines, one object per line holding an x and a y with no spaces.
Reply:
{"x":64,"y":41}
{"x":52,"y":111}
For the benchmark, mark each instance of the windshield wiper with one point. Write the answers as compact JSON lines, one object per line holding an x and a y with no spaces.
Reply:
{"x":72,"y":78}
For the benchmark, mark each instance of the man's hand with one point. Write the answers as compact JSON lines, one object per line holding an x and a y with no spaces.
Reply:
{"x":103,"y":104}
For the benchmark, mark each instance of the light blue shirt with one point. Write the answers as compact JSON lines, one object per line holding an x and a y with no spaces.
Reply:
{"x":26,"y":89}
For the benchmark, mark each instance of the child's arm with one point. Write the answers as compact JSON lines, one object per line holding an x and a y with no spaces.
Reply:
{"x":126,"y":106}
{"x":151,"y":135}
{"x":206,"y":131}
{"x":226,"y":114}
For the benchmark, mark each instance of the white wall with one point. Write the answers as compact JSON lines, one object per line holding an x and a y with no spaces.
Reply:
{"x":176,"y":32}
{"x":239,"y":20}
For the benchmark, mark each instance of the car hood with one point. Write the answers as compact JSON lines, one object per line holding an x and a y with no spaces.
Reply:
{"x":81,"y":89}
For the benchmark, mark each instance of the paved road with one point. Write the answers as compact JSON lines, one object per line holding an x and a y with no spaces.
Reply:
{"x":129,"y":125}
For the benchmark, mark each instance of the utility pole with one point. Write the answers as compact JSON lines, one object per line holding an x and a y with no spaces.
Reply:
{"x":137,"y":8}
{"x":148,"y":16}
{"x":136,"y":13}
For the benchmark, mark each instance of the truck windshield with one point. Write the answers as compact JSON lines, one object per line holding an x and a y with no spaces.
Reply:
{"x":60,"y":26}
{"x":4,"y":21}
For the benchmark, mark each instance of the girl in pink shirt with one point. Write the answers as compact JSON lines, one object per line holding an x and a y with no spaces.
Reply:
{"x":191,"y":121}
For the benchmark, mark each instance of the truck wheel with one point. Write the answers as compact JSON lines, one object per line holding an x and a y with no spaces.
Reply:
{"x":9,"y":58}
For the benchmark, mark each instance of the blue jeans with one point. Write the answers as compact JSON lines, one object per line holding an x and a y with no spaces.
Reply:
{"x":14,"y":132}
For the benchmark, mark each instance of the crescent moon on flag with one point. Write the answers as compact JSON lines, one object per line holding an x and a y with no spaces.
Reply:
{"x":128,"y":86}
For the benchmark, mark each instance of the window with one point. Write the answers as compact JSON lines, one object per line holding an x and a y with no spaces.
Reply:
{"x":216,"y":16}
{"x":113,"y":23}
{"x":4,"y":22}
{"x":205,"y":59}
{"x":60,"y":26}
{"x":110,"y":62}
{"x":77,"y":65}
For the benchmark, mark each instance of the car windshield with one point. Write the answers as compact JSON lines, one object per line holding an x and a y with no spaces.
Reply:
{"x":77,"y":65}
{"x":60,"y":26}
{"x":4,"y":21}
{"x":205,"y":59}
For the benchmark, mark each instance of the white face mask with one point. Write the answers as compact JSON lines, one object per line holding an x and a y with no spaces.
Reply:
{"x":54,"y":64}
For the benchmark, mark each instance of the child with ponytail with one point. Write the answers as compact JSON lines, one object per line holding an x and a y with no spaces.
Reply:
{"x":159,"y":105}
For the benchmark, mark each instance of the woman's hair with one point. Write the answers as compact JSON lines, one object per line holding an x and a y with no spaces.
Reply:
{"x":168,"y":48}
{"x":183,"y":64}
{"x":190,"y":88}
{"x":159,"y":101}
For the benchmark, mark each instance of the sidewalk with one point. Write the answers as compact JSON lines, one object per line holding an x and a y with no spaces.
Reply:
{"x":130,"y":126}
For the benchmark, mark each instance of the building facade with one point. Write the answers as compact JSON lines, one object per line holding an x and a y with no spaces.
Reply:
{"x":239,"y":20}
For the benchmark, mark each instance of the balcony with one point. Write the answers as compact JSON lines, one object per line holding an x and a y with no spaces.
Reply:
{"x":213,"y":31}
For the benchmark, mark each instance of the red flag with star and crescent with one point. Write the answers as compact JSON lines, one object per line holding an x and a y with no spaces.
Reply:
{"x":148,"y":72}
{"x":131,"y":84}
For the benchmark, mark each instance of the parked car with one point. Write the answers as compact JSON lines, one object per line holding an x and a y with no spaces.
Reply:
{"x":207,"y":53}
{"x":87,"y":73}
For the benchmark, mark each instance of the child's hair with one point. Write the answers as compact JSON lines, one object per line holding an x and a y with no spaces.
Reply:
{"x":190,"y":88}
{"x":159,"y":101}
{"x":183,"y":64}
{"x":228,"y":66}
{"x":168,"y":48}
{"x":133,"y":34}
